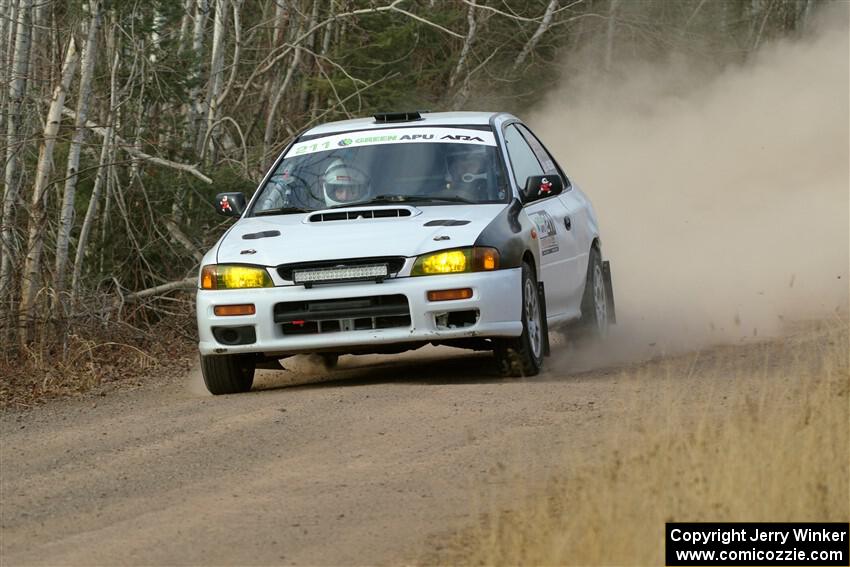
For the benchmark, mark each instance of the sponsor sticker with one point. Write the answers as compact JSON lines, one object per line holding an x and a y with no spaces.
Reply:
{"x":546,"y":232}
{"x":393,"y":136}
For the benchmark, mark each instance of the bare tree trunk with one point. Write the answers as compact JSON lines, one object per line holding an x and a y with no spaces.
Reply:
{"x":202,"y":9}
{"x":326,"y":44}
{"x":185,"y":24}
{"x":806,"y":16}
{"x":609,"y":36}
{"x":8,"y":11}
{"x":467,"y":45}
{"x":66,"y":219}
{"x":307,"y":70}
{"x":535,"y":38}
{"x":37,"y":43}
{"x":91,"y":211}
{"x":38,"y":214}
{"x":237,"y":51}
{"x":215,"y":78}
{"x":281,"y":20}
{"x":279,"y":91}
{"x":764,"y":18}
{"x":107,"y":209}
{"x":140,"y":128}
{"x":17,"y":89}
{"x":462,"y":94}
{"x":156,"y":33}
{"x":268,"y":136}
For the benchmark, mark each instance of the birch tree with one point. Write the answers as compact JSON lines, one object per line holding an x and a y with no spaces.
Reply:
{"x":38,"y":213}
{"x":195,"y":109}
{"x":545,"y":23}
{"x":101,"y":179}
{"x":462,"y":93}
{"x":278,"y":92}
{"x":610,"y":34}
{"x":66,"y":219}
{"x":210,"y":107}
{"x":8,"y":9}
{"x":17,"y":90}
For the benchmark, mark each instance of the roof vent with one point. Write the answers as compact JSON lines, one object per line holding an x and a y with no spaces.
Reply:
{"x":387,"y":117}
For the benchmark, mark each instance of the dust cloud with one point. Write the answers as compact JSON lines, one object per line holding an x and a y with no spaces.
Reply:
{"x":722,"y":195}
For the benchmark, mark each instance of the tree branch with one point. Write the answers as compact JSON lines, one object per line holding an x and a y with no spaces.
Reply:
{"x":185,"y":283}
{"x":137,"y":153}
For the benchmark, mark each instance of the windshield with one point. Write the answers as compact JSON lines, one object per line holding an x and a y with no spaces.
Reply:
{"x":424,"y":166}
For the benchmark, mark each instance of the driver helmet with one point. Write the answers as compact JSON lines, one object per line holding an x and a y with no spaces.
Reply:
{"x":467,"y":165}
{"x":343,"y":184}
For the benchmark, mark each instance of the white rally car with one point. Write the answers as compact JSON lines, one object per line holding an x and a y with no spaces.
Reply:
{"x":384,"y":234}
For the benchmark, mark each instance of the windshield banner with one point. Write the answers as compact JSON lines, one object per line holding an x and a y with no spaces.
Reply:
{"x":393,"y":136}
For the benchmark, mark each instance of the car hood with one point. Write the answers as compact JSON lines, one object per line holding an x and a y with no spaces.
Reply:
{"x":304,"y":237}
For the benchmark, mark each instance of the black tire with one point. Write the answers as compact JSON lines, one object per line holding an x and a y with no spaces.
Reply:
{"x":523,"y":355}
{"x":594,"y":322}
{"x":227,"y":373}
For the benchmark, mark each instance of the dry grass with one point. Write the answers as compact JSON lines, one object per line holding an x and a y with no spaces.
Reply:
{"x":97,"y":354}
{"x":772,"y":447}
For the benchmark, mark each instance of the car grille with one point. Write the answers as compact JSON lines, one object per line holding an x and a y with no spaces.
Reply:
{"x":394,"y":264}
{"x":338,"y":315}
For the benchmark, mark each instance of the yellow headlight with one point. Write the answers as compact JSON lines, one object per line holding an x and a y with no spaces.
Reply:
{"x":455,"y":261}
{"x":217,"y":276}
{"x":445,"y":262}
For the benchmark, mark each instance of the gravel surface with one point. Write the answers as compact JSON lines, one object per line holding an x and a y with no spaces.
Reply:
{"x":362,"y":465}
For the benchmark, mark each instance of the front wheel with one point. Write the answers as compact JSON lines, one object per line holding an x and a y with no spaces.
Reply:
{"x":227,"y":373}
{"x":523,"y":356}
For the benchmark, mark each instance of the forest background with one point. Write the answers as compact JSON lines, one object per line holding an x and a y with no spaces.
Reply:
{"x":121,"y":119}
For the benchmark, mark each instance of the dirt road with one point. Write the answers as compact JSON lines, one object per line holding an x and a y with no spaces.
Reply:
{"x":363,"y":469}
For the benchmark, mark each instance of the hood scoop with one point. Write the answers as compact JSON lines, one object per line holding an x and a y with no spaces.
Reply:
{"x":359,"y":214}
{"x":263,"y":234}
{"x":446,"y":222}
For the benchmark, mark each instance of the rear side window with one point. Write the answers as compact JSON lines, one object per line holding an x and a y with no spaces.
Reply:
{"x":523,"y":162}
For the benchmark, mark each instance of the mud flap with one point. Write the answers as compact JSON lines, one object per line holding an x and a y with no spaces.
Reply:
{"x":609,"y":291}
{"x":544,"y":323}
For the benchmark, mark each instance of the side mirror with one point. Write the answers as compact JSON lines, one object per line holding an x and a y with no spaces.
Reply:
{"x":230,"y":204}
{"x":541,"y":186}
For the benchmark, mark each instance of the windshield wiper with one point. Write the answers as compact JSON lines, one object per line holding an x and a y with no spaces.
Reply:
{"x":447,"y":199}
{"x":280,"y":211}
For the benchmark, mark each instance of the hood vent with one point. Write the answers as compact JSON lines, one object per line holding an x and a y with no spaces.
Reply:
{"x":446,"y":222}
{"x":327,"y":216}
{"x":263,"y":234}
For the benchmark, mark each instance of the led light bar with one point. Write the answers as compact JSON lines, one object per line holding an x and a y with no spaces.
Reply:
{"x":343,"y":273}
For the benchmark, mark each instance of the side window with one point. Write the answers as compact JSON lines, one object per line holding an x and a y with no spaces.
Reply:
{"x":549,"y":165}
{"x":523,"y":162}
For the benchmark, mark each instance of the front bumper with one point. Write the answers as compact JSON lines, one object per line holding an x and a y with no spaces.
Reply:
{"x":496,"y":296}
